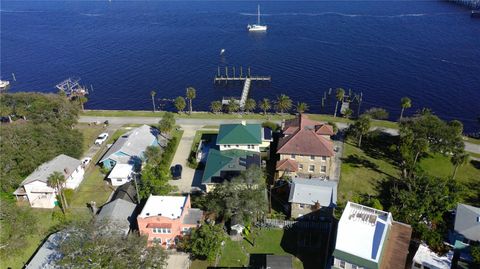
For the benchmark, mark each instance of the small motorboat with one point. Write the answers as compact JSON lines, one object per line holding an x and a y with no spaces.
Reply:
{"x":4,"y":84}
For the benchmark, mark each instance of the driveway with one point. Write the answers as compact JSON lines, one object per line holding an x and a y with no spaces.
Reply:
{"x":181,"y":156}
{"x":178,"y":260}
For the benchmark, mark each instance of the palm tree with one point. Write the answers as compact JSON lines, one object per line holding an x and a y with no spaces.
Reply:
{"x":301,"y":107}
{"x":284,"y":103}
{"x":265,"y":105}
{"x":191,"y":94}
{"x":347,"y":113}
{"x":232,"y":106}
{"x":82,"y":100}
{"x":153,"y":93}
{"x":250,"y":105}
{"x":180,"y":103}
{"x":458,"y":158}
{"x":361,"y":127}
{"x":340,"y":93}
{"x":406,"y":103}
{"x":57,"y":181}
{"x":216,"y":106}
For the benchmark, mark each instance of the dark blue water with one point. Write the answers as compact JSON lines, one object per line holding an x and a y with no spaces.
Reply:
{"x":427,"y":50}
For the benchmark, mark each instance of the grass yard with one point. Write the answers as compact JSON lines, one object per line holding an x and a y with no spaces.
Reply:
{"x":361,"y":173}
{"x":93,"y":188}
{"x":236,"y":253}
{"x":90,"y":133}
{"x":178,"y":134}
{"x":364,"y":169}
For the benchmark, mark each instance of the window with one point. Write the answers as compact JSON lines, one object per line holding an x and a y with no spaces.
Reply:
{"x":162,"y":230}
{"x":229,"y":146}
{"x":342,"y":264}
{"x":301,"y":205}
{"x":292,"y":156}
{"x":311,"y":168}
{"x":312,"y":158}
{"x":354,"y":266}
{"x":324,"y":158}
{"x":417,"y":265}
{"x":300,"y":166}
{"x":237,"y":146}
{"x":119,"y":180}
{"x":323,"y":169}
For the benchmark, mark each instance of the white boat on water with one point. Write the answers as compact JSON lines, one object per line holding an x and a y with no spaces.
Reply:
{"x":257,"y":27}
{"x":4,"y":84}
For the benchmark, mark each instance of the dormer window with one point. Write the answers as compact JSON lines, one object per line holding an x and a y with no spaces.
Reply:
{"x":312,"y":158}
{"x":292,"y":156}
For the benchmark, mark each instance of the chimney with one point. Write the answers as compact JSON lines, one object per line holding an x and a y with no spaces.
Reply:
{"x":244,"y":122}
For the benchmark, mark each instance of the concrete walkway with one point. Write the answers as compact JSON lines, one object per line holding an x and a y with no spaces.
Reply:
{"x":178,"y":261}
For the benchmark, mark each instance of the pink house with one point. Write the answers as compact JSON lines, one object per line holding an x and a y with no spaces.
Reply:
{"x":165,"y":219}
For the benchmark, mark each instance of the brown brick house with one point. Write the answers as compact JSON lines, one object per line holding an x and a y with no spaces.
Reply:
{"x":305,"y":149}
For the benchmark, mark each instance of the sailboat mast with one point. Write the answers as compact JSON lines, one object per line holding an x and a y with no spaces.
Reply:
{"x":258,"y":16}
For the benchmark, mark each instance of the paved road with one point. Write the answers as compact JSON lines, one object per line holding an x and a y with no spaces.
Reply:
{"x":201,"y":122}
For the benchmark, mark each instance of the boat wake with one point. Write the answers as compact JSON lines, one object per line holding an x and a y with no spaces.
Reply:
{"x":351,"y":15}
{"x":91,"y":14}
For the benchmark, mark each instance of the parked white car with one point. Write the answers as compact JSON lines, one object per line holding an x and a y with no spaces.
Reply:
{"x":86,"y":161}
{"x":101,"y":138}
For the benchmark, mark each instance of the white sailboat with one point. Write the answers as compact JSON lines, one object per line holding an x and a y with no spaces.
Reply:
{"x":257,"y":27}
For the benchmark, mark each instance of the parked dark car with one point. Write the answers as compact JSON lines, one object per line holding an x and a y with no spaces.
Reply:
{"x":176,"y":171}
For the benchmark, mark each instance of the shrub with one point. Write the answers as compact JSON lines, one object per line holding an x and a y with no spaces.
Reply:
{"x":377,"y":113}
{"x":272,"y":125}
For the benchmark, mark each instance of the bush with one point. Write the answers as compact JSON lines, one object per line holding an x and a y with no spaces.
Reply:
{"x":334,"y":126}
{"x":272,"y":125}
{"x":377,"y":113}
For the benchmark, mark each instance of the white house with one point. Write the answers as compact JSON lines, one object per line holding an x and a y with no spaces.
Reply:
{"x":248,"y":137}
{"x":121,"y":174}
{"x":426,"y":259}
{"x":35,"y":189}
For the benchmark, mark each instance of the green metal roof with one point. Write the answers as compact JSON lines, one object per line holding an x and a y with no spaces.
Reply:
{"x":227,"y":160}
{"x":240,"y":134}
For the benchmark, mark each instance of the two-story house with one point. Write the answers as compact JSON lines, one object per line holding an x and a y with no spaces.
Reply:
{"x":238,"y":148}
{"x":35,"y":188}
{"x":370,"y":238}
{"x":165,"y":219}
{"x":305,"y":149}
{"x":466,"y":230}
{"x":312,"y":195}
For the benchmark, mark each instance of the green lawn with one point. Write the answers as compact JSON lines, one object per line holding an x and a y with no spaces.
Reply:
{"x":363,"y":170}
{"x":93,"y":188}
{"x":360,"y":173}
{"x":90,"y":133}
{"x":178,"y":134}
{"x":235,"y":253}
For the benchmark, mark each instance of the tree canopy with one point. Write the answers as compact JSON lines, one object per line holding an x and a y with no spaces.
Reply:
{"x":180,"y":103}
{"x":86,"y":247}
{"x":206,"y":241}
{"x":166,"y":124}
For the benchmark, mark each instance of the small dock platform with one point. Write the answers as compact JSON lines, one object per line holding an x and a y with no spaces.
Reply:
{"x":247,"y":79}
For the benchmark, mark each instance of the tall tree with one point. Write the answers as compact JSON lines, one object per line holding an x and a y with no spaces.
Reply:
{"x":153,"y":154}
{"x":458,"y":158}
{"x":232,"y":106}
{"x":152,"y":94}
{"x":180,"y":103}
{"x":284,"y":103}
{"x":191,"y":94}
{"x":347,"y":113}
{"x":57,"y":181}
{"x":91,"y":247}
{"x":250,"y":105}
{"x":361,"y":127}
{"x":405,"y":103}
{"x":301,"y":107}
{"x":216,"y":106}
{"x":205,"y":242}
{"x":339,"y":94}
{"x":82,"y":100}
{"x":166,"y":124}
{"x":265,"y":105}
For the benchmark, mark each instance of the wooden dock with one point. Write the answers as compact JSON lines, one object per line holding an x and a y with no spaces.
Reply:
{"x":247,"y":79}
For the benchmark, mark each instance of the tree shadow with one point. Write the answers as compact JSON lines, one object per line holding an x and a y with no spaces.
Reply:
{"x":475,"y":164}
{"x":380,"y":145}
{"x":384,"y":189}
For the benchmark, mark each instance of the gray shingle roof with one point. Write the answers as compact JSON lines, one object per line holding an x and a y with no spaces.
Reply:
{"x":309,"y":191}
{"x":467,"y":221}
{"x":48,"y":254}
{"x":62,"y":163}
{"x":132,"y":143}
{"x":193,"y":216}
{"x":118,"y":213}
